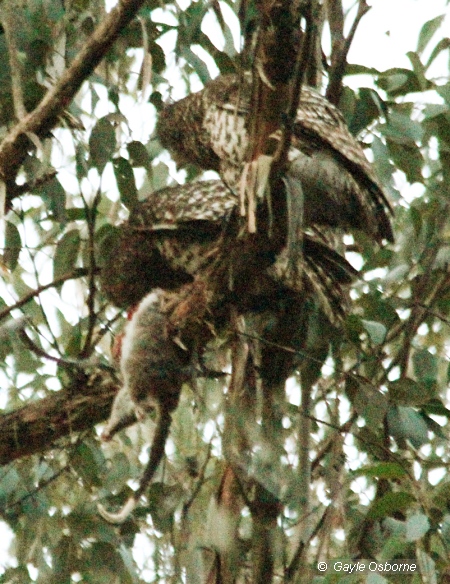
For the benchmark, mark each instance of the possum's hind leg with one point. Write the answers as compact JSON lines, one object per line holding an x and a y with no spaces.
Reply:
{"x":123,"y":413}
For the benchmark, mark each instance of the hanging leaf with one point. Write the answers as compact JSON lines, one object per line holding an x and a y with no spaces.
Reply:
{"x":87,"y":463}
{"x":72,"y":346}
{"x":443,"y":45}
{"x":433,"y":426}
{"x":406,"y":424}
{"x":425,"y":365}
{"x":383,"y":470}
{"x":407,"y":392}
{"x":117,"y":473}
{"x":125,"y":182}
{"x":375,"y":330}
{"x":13,"y":246}
{"x":163,"y":501}
{"x":390,"y":504}
{"x":66,"y":253}
{"x":369,"y":106}
{"x":369,"y":403}
{"x":402,"y":128}
{"x":407,"y":158}
{"x":419,"y":69}
{"x":435,"y":406}
{"x":398,"y":81}
{"x":197,"y":64}
{"x":54,"y":196}
{"x":139,"y":157}
{"x":416,"y":527}
{"x":102,"y":144}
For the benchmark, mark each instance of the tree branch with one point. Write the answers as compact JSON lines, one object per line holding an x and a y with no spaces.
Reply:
{"x":35,"y":427}
{"x":15,"y":65}
{"x":43,"y":118}
{"x":340,"y":45}
{"x":78,"y":273}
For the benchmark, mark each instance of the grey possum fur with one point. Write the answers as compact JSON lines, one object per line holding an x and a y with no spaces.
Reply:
{"x":154,"y":368}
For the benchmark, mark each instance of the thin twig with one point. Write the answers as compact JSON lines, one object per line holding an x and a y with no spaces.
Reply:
{"x":91,"y":214}
{"x":62,"y":362}
{"x":201,"y":479}
{"x":296,"y":561}
{"x":78,"y":273}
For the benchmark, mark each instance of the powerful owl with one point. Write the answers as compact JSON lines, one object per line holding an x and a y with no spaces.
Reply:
{"x":188,"y":234}
{"x":327,"y":168}
{"x":178,"y":233}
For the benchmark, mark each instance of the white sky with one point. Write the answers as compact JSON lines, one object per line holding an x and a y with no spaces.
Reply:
{"x":390,"y":30}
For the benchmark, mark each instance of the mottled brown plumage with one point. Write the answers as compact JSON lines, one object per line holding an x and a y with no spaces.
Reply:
{"x":187,"y":234}
{"x":176,"y":234}
{"x":339,"y":186}
{"x":168,"y":238}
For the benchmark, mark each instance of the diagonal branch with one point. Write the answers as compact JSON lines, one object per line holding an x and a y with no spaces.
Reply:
{"x":77,"y":273}
{"x":340,"y":45}
{"x":35,"y":427}
{"x":43,"y":118}
{"x":15,"y":65}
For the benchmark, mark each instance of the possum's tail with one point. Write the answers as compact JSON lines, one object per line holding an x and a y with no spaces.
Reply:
{"x":156,"y":454}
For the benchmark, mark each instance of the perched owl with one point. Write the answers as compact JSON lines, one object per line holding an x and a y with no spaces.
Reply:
{"x":179,"y":232}
{"x":180,"y":235}
{"x":337,"y":183}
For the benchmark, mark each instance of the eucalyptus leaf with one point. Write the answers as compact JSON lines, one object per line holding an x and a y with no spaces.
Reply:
{"x":425,"y":365}
{"x":125,"y":182}
{"x":407,"y":392}
{"x":370,"y":403}
{"x":383,"y":470}
{"x":54,"y":196}
{"x":402,"y":129}
{"x":66,"y":254}
{"x":85,"y":462}
{"x":405,"y":423}
{"x":427,"y":32}
{"x":375,"y":330}
{"x":139,"y":157}
{"x":390,"y":504}
{"x":442,"y":45}
{"x":13,"y":246}
{"x":197,"y":64}
{"x":102,"y":143}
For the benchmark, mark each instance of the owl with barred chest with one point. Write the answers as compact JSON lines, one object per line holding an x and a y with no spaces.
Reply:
{"x":170,"y":242}
{"x":176,"y":234}
{"x":327,"y":166}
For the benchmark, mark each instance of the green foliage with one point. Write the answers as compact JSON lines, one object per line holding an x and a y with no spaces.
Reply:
{"x":102,"y":143}
{"x":379,"y":387}
{"x":13,"y":246}
{"x":66,"y":253}
{"x":125,"y":182}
